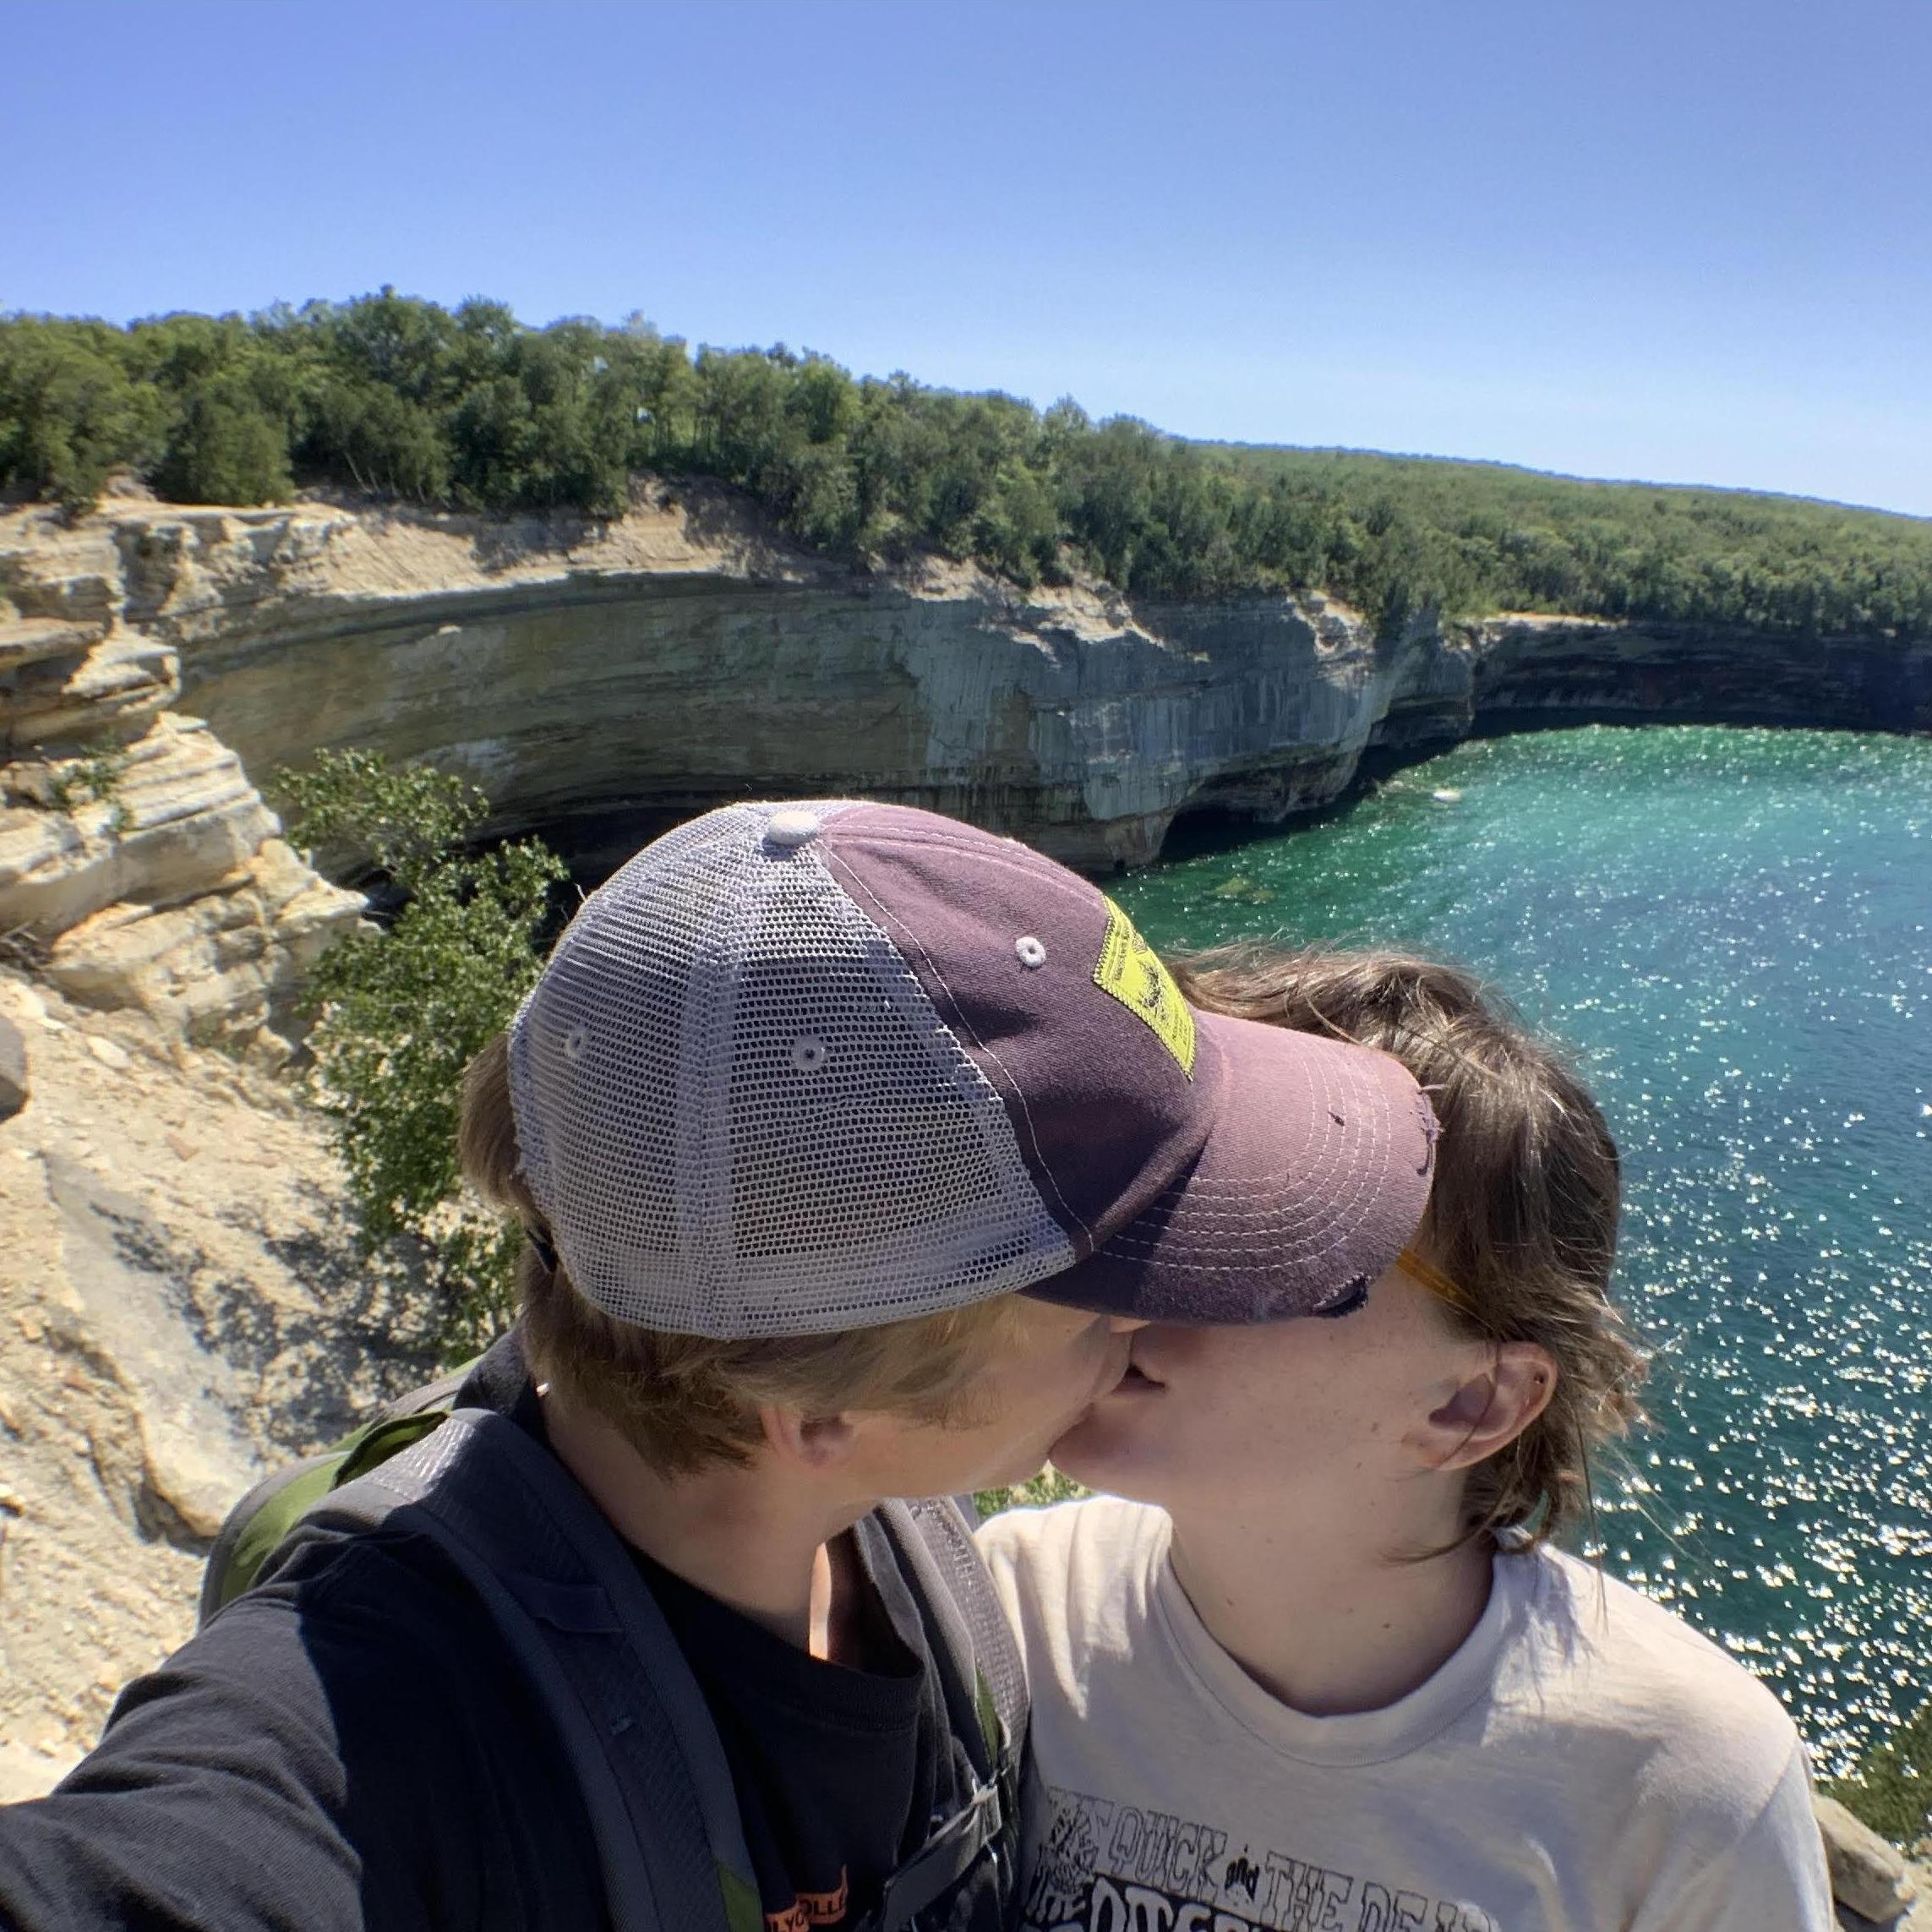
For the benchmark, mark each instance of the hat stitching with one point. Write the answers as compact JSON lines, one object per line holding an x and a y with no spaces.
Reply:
{"x":850,"y":880}
{"x":1354,"y":1087}
{"x":1214,"y":1215}
{"x":1043,"y":872}
{"x":1126,"y":1247}
{"x":1285,"y":1238}
{"x":1233,"y":1206}
{"x":1325,"y":1238}
{"x":1331,"y":1233}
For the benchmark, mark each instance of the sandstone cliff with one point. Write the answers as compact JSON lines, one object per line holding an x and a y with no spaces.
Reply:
{"x":183,"y":1307}
{"x":134,"y":852}
{"x":597,"y":680}
{"x":1551,"y":670}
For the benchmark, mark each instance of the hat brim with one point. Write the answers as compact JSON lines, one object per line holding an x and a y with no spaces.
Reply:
{"x":1314,"y":1173}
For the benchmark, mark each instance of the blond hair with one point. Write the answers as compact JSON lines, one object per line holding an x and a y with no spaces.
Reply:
{"x":682,"y":1400}
{"x":1523,"y":1213}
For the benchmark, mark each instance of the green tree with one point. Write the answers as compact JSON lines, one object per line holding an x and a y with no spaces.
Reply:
{"x":399,"y":1013}
{"x":226,"y":448}
{"x":398,"y":396}
{"x":69,"y":413}
{"x":377,"y":440}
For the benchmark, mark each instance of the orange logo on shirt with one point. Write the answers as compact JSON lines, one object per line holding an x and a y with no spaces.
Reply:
{"x":811,"y":1908}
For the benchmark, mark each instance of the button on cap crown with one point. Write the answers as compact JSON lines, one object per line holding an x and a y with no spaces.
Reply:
{"x":789,"y":830}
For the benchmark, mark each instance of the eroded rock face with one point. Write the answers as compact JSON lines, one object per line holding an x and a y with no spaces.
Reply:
{"x":1551,"y":669}
{"x":132,"y":843}
{"x":233,"y":955}
{"x":184,"y":1305}
{"x":177,"y":816}
{"x":599,"y":680}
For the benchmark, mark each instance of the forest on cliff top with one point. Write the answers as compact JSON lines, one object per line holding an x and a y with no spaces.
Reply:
{"x":470,"y":408}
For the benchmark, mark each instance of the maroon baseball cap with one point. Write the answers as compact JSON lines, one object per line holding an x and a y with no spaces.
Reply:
{"x":817,"y":1065}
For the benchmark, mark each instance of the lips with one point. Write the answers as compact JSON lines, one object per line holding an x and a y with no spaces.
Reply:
{"x":1138,"y":1381}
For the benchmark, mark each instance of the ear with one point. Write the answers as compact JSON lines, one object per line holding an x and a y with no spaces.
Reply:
{"x":815,"y":1442}
{"x":1492,"y":1407}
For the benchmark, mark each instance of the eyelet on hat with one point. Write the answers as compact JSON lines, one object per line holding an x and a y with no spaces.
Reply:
{"x":789,"y":830}
{"x":1031,"y":953}
{"x":576,"y":1037}
{"x":809,"y":1053}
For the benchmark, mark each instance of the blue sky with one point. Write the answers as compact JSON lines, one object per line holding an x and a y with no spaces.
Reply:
{"x":1688,"y":242}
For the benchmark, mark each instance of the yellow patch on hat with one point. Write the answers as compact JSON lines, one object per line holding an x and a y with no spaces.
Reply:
{"x":1131,"y":971}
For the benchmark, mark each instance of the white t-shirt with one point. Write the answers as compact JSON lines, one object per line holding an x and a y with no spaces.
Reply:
{"x":1586,"y":1762}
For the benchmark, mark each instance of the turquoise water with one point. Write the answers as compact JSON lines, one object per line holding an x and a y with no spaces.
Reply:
{"x":1733,"y":930}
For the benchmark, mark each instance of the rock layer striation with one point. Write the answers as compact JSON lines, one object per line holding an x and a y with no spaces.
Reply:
{"x":134,"y":852}
{"x":599,"y":680}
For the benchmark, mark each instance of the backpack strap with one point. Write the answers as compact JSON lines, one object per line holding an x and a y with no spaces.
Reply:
{"x":985,"y":1692}
{"x":562,"y":1590}
{"x":965,"y":1585}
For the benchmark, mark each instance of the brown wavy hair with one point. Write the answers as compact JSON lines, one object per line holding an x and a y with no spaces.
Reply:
{"x":1523,"y":1213}
{"x":681,"y":1400}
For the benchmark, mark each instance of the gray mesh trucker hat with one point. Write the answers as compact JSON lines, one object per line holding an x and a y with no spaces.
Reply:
{"x":804,"y":1066}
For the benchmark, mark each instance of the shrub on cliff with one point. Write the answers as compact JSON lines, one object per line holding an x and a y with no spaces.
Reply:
{"x":399,"y":1013}
{"x":1892,"y":1789}
{"x":1036,"y":1493}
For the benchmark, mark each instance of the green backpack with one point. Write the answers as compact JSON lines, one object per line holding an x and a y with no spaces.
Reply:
{"x":257,"y":1526}
{"x":572,"y":1606}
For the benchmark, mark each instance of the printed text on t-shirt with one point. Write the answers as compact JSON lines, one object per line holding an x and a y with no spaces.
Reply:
{"x":1107,"y":1867}
{"x":812,"y":1908}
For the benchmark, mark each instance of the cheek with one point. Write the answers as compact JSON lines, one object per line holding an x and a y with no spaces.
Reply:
{"x":1047,"y":1369}
{"x":1262,"y":1401}
{"x":1246,"y":1371}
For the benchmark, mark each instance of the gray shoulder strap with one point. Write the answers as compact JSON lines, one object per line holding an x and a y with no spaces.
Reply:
{"x":567,"y":1598}
{"x":964,"y":1588}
